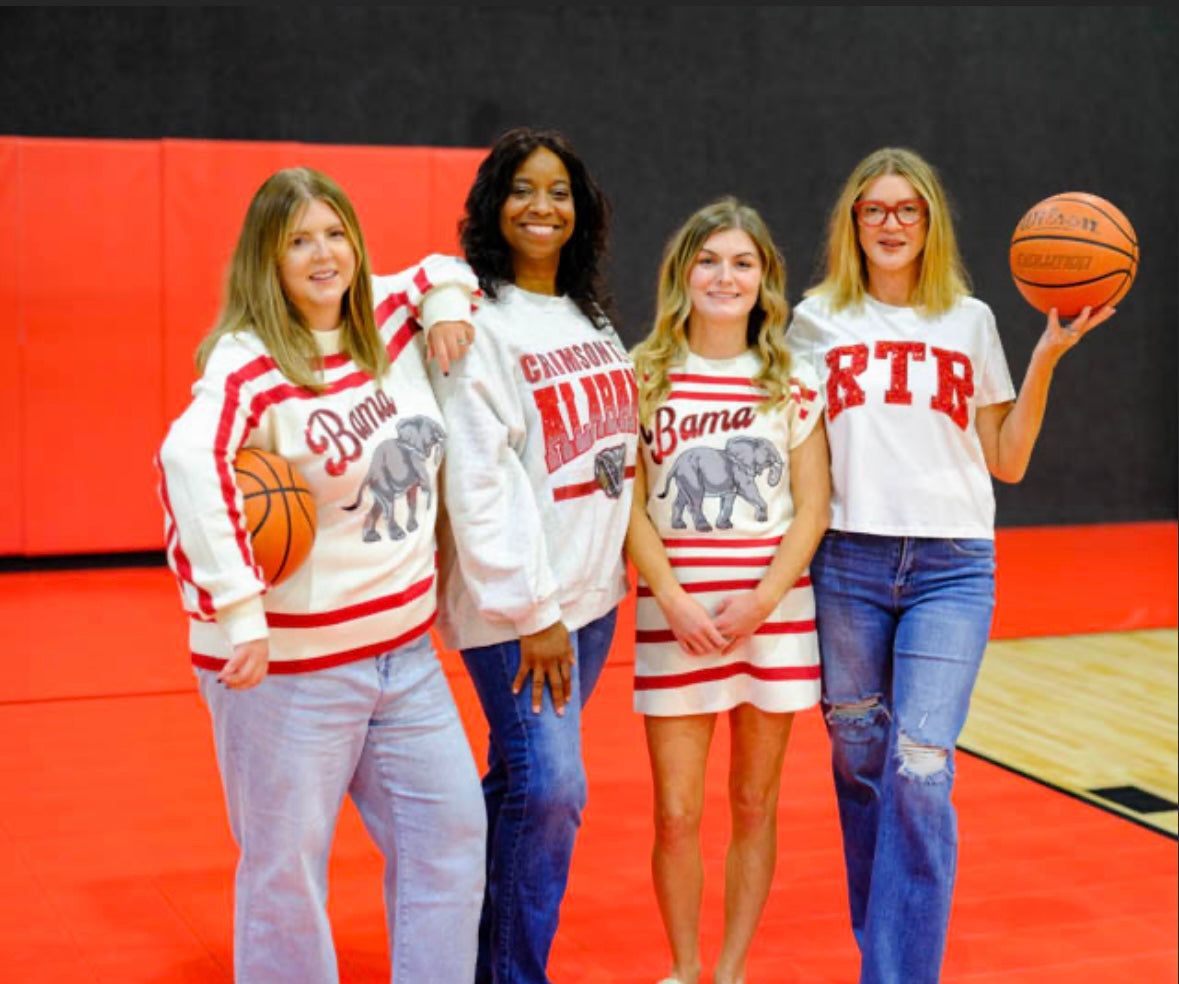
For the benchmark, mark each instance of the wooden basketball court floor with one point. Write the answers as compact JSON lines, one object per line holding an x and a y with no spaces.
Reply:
{"x":116,"y":863}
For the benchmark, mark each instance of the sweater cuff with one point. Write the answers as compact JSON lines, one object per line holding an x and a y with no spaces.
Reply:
{"x":244,"y":621}
{"x":540,"y":618}
{"x":448,"y":303}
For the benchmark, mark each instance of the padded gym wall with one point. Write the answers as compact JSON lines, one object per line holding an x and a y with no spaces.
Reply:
{"x":671,"y":106}
{"x":115,"y":262}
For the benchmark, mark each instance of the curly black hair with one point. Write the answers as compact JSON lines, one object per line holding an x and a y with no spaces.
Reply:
{"x":579,"y":276}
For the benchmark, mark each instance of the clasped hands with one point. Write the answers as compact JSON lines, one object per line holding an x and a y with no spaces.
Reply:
{"x":737,"y":617}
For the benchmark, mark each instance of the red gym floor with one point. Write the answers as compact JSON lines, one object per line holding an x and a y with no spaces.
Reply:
{"x":116,"y":863}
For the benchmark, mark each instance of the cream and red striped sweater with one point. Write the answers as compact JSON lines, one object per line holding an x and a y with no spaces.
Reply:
{"x":369,"y":582}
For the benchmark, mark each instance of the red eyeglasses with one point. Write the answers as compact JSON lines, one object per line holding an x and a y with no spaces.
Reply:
{"x":908,"y":212}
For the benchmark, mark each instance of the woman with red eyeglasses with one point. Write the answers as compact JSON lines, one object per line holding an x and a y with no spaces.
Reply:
{"x":921,"y":412}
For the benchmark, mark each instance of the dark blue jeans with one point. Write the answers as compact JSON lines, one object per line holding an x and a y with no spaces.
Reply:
{"x":903,"y":623}
{"x":535,"y":791}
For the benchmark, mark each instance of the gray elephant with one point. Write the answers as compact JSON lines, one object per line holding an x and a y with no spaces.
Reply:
{"x":727,"y":473}
{"x":399,"y":468}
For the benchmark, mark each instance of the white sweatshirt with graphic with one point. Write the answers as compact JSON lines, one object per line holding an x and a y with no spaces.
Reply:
{"x":542,"y":423}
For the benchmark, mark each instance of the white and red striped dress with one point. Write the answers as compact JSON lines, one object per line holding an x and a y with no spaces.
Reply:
{"x":718,"y":492}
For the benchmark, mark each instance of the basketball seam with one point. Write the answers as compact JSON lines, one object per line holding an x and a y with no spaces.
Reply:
{"x":1132,"y":257}
{"x":1099,"y":210}
{"x":1072,"y":283}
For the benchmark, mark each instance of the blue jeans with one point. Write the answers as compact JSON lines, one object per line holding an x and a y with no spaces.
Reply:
{"x":535,"y":790}
{"x":903,"y":623}
{"x":386,"y":732}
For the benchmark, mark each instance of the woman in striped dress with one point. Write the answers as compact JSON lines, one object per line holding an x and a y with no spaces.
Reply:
{"x":731,"y":499}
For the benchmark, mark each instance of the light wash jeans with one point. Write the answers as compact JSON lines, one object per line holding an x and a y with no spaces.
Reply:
{"x":903,"y":624}
{"x":535,"y":790}
{"x":385,"y":731}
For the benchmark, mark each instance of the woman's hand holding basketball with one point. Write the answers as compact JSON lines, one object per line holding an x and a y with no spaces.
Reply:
{"x":1058,"y":337}
{"x":247,"y":666}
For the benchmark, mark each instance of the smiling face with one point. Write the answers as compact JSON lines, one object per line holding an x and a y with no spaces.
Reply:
{"x":724,"y":282}
{"x":317,"y":265}
{"x":537,"y":217}
{"x":892,"y":248}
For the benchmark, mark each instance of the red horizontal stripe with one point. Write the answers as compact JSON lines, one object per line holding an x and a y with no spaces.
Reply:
{"x":719,"y":561}
{"x":695,"y":587}
{"x":718,"y":543}
{"x":766,"y":628}
{"x":729,"y":670}
{"x":727,"y":397}
{"x":563,"y":492}
{"x":691,"y":377}
{"x":324,"y":662}
{"x":313,"y":620}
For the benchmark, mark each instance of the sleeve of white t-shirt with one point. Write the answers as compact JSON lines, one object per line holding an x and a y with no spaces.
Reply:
{"x":806,"y":402}
{"x":993,"y":384}
{"x":802,"y":340}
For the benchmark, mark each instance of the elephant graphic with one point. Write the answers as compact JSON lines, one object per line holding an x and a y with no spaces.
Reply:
{"x":399,"y":469}
{"x":610,"y":470}
{"x":728,"y":473}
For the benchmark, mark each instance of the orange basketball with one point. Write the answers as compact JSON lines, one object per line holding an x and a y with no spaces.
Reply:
{"x":280,"y":512}
{"x":1071,"y":251}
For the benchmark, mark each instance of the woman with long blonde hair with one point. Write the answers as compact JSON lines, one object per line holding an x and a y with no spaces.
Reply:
{"x":730,"y":500}
{"x":921,"y":412}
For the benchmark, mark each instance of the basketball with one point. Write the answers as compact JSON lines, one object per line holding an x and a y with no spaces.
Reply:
{"x":1073,"y":250}
{"x":279,"y":512}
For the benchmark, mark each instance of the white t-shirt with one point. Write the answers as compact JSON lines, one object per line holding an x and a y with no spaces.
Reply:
{"x":901,"y":392}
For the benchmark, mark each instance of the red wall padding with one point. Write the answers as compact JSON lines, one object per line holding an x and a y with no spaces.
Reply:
{"x":12,"y":497}
{"x":112,"y":256}
{"x":111,"y":266}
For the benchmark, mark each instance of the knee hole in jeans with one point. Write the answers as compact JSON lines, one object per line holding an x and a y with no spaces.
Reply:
{"x":920,"y":761}
{"x":861,"y":712}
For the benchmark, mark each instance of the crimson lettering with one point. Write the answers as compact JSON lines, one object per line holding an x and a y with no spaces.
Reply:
{"x":955,"y":378}
{"x":328,"y":431}
{"x":898,"y":354}
{"x":669,"y":430}
{"x":569,"y":361}
{"x":610,"y":402}
{"x":955,"y":385}
{"x":845,"y":363}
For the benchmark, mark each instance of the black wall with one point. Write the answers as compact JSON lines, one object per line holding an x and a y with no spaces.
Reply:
{"x":673,"y":106}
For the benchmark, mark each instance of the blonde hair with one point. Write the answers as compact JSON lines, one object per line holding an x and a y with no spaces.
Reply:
{"x":254,"y":298}
{"x":942,"y":279}
{"x":667,"y":343}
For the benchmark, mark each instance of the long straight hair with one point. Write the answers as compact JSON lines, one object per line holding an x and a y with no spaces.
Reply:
{"x":255,"y":301}
{"x":942,"y":279}
{"x":667,"y":343}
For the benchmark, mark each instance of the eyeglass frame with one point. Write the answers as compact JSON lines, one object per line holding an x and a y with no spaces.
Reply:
{"x":858,"y":206}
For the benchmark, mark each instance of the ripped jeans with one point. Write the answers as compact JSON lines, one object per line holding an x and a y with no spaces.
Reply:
{"x":903,"y":623}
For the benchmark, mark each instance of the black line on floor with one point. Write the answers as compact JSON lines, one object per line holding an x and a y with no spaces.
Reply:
{"x":1069,"y":792}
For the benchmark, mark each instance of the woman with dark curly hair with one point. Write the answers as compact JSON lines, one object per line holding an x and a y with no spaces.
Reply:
{"x":542,"y":418}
